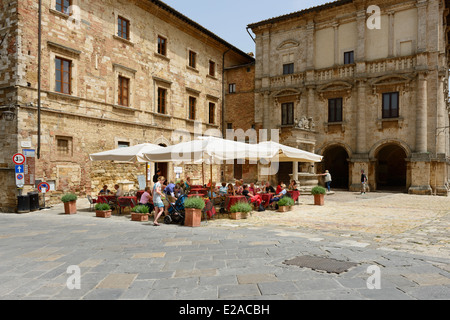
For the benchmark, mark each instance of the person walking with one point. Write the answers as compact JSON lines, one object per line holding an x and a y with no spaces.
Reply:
{"x":158,"y":197}
{"x":327,"y":180}
{"x":363,"y":182}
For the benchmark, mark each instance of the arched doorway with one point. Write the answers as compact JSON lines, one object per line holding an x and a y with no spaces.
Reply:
{"x":335,"y":160}
{"x":391,"y":168}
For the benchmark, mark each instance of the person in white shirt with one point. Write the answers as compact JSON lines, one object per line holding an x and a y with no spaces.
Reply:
{"x":119,"y":191}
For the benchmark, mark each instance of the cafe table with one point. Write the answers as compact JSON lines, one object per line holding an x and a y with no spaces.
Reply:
{"x":295,"y":194}
{"x":266,"y":197}
{"x":234,"y":199}
{"x":105,"y":199}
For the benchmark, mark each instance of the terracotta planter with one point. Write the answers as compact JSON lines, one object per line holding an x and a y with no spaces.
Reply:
{"x":193,"y":217}
{"x":284,"y":208}
{"x":238,"y":215}
{"x":319,"y":199}
{"x":70,"y":207}
{"x":140,"y":217}
{"x":103,"y":214}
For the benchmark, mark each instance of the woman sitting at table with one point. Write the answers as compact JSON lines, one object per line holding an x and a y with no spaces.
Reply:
{"x":257,"y":199}
{"x":253,"y":189}
{"x":231,"y":190}
{"x":105,"y":191}
{"x":292,"y":186}
{"x":146,"y":199}
{"x":268,"y":188}
{"x":238,"y":187}
{"x":187,"y":184}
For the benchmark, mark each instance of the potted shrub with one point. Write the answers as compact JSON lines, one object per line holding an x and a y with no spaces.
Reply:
{"x":103,"y":210}
{"x":285,"y":204}
{"x":140,"y":213}
{"x":319,"y":195}
{"x":70,"y":203}
{"x":240,"y":210}
{"x":193,"y":211}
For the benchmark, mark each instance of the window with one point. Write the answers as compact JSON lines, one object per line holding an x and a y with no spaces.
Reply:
{"x":212,"y":111}
{"x":64,"y":146}
{"x":232,"y":88}
{"x":287,"y":114}
{"x":288,"y":68}
{"x":123,"y":28}
{"x":63,"y":6}
{"x":63,"y":75}
{"x":229,"y":126}
{"x":192,"y":59}
{"x":124,"y":85}
{"x":162,"y":96}
{"x":162,"y":46}
{"x":349,"y":57}
{"x":192,"y":104}
{"x":212,"y":68}
{"x":390,"y":105}
{"x":123,"y":144}
{"x":335,"y":110}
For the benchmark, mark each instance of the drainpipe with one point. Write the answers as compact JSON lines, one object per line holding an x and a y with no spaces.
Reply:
{"x":38,"y":153}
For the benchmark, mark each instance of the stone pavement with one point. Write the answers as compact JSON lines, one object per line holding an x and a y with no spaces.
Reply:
{"x":404,"y":237}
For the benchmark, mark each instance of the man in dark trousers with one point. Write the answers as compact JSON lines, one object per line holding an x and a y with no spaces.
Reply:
{"x":363,"y":182}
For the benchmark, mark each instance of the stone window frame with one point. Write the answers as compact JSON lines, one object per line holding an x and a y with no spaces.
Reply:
{"x":53,"y":9}
{"x":125,"y":72}
{"x":72,"y":55}
{"x":210,"y":99}
{"x":159,"y":83}
{"x":117,"y":14}
{"x":70,"y":146}
{"x":189,"y":66}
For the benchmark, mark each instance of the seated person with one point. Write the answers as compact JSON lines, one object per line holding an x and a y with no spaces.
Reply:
{"x":253,"y":189}
{"x":257,"y":199}
{"x":119,"y":191}
{"x":279,"y":187}
{"x":223,"y":189}
{"x":280,"y":195}
{"x":231,"y":190}
{"x":146,"y":199}
{"x":238,"y":187}
{"x":292,"y":186}
{"x":268,"y":188}
{"x":105,"y":191}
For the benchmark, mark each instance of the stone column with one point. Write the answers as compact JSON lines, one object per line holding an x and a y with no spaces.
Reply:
{"x":391,"y":34}
{"x":361,"y":29}
{"x":441,"y":113}
{"x":336,"y":43}
{"x":421,"y":114}
{"x":422,"y":25}
{"x":361,"y":118}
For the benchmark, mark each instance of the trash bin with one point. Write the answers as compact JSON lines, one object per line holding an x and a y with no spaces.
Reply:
{"x":23,"y":204}
{"x":34,"y":201}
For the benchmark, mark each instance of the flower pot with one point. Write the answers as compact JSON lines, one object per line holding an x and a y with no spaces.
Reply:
{"x":319,"y":199}
{"x":70,"y":207}
{"x":140,"y":217}
{"x":103,"y":214}
{"x":193,"y":217}
{"x":283,"y":209}
{"x":238,"y":215}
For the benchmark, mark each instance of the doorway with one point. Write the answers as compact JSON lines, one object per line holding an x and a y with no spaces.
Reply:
{"x":335,"y":160}
{"x":391,"y":168}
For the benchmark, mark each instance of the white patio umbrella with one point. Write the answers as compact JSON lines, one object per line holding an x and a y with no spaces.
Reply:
{"x":273,"y":151}
{"x":132,"y":154}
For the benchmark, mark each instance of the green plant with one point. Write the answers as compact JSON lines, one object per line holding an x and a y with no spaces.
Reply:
{"x":102,"y":207}
{"x":286,"y":202}
{"x":194,"y":203}
{"x":68,"y":197}
{"x":318,"y":190}
{"x":141,"y":209}
{"x":243,"y":207}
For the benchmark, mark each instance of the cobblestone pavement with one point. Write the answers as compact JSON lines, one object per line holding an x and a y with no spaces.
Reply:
{"x":405,"y":237}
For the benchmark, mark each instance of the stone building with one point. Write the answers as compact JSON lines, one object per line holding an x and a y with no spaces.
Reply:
{"x":363,"y":83}
{"x":113,"y":73}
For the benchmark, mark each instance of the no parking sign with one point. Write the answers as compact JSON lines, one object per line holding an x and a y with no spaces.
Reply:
{"x":43,"y":187}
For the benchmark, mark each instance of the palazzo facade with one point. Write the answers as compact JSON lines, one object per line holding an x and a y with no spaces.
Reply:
{"x":363,"y":83}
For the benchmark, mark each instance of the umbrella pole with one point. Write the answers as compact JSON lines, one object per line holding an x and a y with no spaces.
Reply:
{"x":203,"y":174}
{"x":211,"y":176}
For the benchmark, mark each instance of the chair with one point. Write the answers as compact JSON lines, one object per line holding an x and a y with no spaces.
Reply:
{"x":113,"y":204}
{"x":92,"y":202}
{"x":208,"y":207}
{"x":133,"y":202}
{"x":123,"y":203}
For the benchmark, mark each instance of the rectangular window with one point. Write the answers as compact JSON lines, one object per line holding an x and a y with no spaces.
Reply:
{"x":229,"y":126}
{"x":123,"y":144}
{"x":212,"y":112}
{"x":192,"y":59}
{"x":335,"y":110}
{"x":63,"y":75}
{"x":349,"y":57}
{"x":192,"y":105}
{"x":63,"y":6}
{"x":124,"y":91}
{"x":162,"y":96}
{"x":232,"y":88}
{"x":390,"y":105}
{"x":64,"y":146}
{"x":212,"y":68}
{"x":123,"y":28}
{"x":287,"y":114}
{"x":162,"y":46}
{"x":288,"y":68}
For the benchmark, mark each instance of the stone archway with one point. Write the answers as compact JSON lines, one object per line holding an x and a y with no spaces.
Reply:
{"x":335,"y":160}
{"x":391,"y":168}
